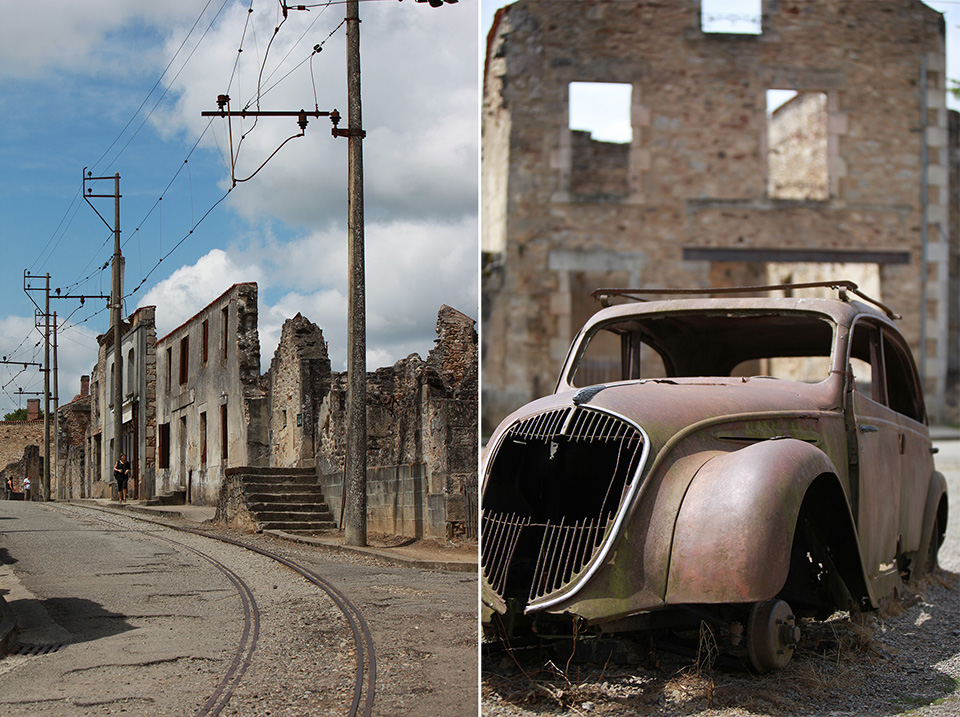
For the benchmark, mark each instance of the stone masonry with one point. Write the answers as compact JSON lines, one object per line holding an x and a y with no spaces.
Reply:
{"x":421,"y":438}
{"x":298,"y":381}
{"x":687,"y":202}
{"x":20,"y":452}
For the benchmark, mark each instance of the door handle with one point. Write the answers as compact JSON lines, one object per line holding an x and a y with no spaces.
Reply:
{"x":867,"y":428}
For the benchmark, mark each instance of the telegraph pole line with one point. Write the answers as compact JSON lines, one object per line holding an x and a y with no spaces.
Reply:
{"x":116,"y":303}
{"x":56,"y":407}
{"x":45,"y":487}
{"x":46,"y":395}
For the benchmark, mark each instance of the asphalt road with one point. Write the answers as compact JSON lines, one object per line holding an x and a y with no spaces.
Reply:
{"x":149,"y":626}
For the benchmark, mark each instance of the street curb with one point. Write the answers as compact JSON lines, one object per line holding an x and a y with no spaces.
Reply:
{"x":395,"y":560}
{"x":8,"y":627}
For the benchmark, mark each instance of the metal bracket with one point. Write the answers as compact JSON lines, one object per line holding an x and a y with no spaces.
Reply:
{"x":336,"y":132}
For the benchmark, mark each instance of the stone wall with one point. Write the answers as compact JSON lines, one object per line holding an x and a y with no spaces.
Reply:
{"x":695,"y":206}
{"x":20,"y":453}
{"x":73,"y":423}
{"x":421,"y":438}
{"x":15,"y":436}
{"x":298,"y":381}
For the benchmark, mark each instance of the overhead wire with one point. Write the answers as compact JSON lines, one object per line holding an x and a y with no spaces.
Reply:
{"x":74,"y":203}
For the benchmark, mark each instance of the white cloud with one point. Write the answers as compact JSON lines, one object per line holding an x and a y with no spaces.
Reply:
{"x":190,"y":288}
{"x":66,"y":35}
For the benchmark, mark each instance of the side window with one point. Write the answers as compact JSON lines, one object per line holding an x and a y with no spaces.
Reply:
{"x":865,"y":361}
{"x":903,"y":387}
{"x":614,"y":354}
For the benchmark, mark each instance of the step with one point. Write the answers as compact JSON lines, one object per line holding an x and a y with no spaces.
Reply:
{"x":176,"y":498}
{"x":291,"y":508}
{"x":283,"y":498}
{"x":268,"y":471}
{"x":276,"y":487}
{"x":273,"y":516}
{"x":292,"y":526}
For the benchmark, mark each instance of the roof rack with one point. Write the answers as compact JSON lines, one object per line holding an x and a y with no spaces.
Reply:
{"x":842,"y":287}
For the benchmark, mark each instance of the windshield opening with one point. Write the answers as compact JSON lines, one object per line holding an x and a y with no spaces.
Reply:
{"x":794,"y":347}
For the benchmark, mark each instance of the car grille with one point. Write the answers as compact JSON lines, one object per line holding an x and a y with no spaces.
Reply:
{"x":554,"y":488}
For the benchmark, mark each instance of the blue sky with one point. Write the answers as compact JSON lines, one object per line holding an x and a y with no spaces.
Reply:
{"x":119,"y":85}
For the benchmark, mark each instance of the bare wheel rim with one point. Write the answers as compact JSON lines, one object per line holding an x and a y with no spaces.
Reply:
{"x":772,"y":635}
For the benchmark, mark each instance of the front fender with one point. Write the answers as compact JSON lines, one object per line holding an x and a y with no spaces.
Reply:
{"x":735,"y":527}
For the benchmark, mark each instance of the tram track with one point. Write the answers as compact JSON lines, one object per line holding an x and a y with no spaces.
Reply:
{"x":364,"y":683}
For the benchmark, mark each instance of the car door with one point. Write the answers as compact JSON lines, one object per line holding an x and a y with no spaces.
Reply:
{"x":877,"y":460}
{"x":905,"y":397}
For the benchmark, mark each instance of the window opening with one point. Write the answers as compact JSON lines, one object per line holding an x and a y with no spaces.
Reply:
{"x":131,"y":374}
{"x":169,"y":368}
{"x":203,"y":438}
{"x":223,"y":433}
{"x":224,"y":323}
{"x":731,"y":17}
{"x":163,"y":459}
{"x":184,"y":358}
{"x":600,"y":136}
{"x":206,"y":339}
{"x":797,"y":146}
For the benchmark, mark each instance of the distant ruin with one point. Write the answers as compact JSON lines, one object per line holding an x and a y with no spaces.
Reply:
{"x":197,"y":411}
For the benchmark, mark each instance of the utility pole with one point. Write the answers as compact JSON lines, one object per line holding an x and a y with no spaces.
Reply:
{"x":354,"y":513}
{"x":56,"y":406}
{"x":116,"y":304}
{"x":45,"y":490}
{"x":116,"y":317}
{"x":355,"y":459}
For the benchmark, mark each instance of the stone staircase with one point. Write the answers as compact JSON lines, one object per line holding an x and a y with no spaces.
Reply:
{"x":287,"y":499}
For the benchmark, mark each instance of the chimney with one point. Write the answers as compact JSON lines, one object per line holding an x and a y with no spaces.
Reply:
{"x":33,"y":409}
{"x":84,"y":386}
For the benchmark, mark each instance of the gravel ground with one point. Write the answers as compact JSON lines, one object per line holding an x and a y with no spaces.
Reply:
{"x":904,"y":659}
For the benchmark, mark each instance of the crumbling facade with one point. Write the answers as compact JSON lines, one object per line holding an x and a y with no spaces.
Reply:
{"x":697,"y":198}
{"x":73,"y":428}
{"x":421,"y":438}
{"x":297,"y":383}
{"x":138,"y":405}
{"x":210,"y":407}
{"x":20,"y":450}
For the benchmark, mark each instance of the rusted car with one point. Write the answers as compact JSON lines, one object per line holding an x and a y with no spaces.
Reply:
{"x":746,"y":462}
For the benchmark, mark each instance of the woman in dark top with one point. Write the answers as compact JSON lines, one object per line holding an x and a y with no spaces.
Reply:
{"x":121,"y":472}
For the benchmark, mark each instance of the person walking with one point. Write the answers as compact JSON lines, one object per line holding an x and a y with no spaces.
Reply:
{"x":26,"y":488}
{"x":121,"y":472}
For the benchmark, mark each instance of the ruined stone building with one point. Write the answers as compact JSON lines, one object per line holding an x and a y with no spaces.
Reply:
{"x":848,"y":180}
{"x":297,"y":383}
{"x":138,"y":365}
{"x":73,"y":428}
{"x":21,"y":449}
{"x":198,"y":414}
{"x":422,"y":438}
{"x":210,"y":408}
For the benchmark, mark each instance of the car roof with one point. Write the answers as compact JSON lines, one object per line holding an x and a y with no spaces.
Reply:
{"x":839,"y":311}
